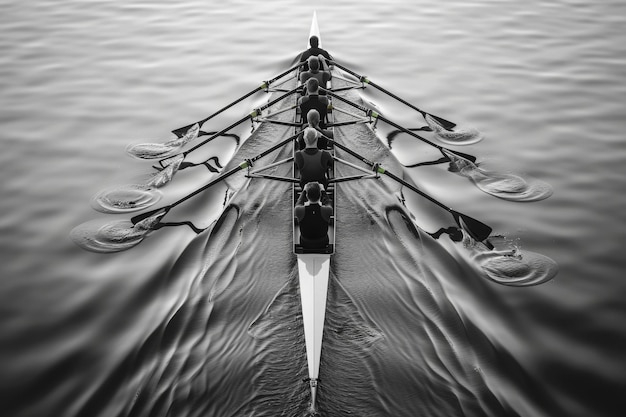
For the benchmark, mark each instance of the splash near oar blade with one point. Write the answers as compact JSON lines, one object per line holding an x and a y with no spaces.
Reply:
{"x":163,"y":150}
{"x":457,"y":137}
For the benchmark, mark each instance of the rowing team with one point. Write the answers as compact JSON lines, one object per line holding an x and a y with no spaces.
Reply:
{"x":313,"y":209}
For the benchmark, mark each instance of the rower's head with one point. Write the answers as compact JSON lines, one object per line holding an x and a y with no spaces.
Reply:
{"x":310,"y":137}
{"x":314,"y":41}
{"x":314,"y":64}
{"x":312,"y":86}
{"x":313,"y":118}
{"x":313,"y":191}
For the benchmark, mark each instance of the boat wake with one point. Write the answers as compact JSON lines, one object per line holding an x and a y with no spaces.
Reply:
{"x":348,"y":340}
{"x":509,"y":187}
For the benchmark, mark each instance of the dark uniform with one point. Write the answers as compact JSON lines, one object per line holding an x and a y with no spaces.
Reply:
{"x":319,"y":103}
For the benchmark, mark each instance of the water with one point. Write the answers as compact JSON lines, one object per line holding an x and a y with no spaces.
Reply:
{"x":180,"y":323}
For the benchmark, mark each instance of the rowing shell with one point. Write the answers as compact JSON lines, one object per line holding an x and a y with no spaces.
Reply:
{"x":313,"y":273}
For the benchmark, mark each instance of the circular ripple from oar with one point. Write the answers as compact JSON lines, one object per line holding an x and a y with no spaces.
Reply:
{"x":517,"y":268}
{"x":124,"y":199}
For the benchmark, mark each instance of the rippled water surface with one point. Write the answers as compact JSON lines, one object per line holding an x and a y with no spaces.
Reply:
{"x":209,"y":324}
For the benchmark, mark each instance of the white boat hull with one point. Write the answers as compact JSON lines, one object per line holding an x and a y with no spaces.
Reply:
{"x":313,"y":270}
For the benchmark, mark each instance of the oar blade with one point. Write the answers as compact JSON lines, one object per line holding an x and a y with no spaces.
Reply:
{"x":448,"y":125}
{"x":180,"y":132}
{"x":478,"y":230}
{"x":143,"y":216}
{"x":467,"y":156}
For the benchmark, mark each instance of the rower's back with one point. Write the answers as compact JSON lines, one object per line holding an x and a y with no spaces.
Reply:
{"x":317,"y":70}
{"x":312,"y":163}
{"x":313,"y":101}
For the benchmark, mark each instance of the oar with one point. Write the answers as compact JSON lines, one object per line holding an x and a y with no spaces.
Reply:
{"x":253,"y":114}
{"x":181,"y":130}
{"x":376,"y":115}
{"x":448,"y":125}
{"x":245,"y":164}
{"x":478,"y":230}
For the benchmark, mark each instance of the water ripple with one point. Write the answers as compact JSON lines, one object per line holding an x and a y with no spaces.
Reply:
{"x":509,"y":265}
{"x":509,"y":187}
{"x":162,"y":150}
{"x":126,"y":198}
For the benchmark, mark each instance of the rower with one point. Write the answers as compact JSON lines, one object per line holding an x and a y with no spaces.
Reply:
{"x":312,"y":163}
{"x":313,"y":213}
{"x":313,"y":119}
{"x":322,"y":76}
{"x":314,"y":101}
{"x":314,"y":50}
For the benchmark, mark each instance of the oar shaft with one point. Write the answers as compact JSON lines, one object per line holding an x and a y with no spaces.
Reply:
{"x":381,"y":170}
{"x":282,"y":74}
{"x":245,"y":164}
{"x":243,"y":119}
{"x":275,"y":147}
{"x":478,"y":230}
{"x":144,"y":216}
{"x":181,"y":130}
{"x":366,"y":80}
{"x":380,"y":117}
{"x":446,"y":123}
{"x":220,"y":133}
{"x":240,"y":99}
{"x":376,"y":115}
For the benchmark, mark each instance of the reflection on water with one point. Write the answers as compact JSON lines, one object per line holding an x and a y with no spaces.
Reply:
{"x":209,"y":324}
